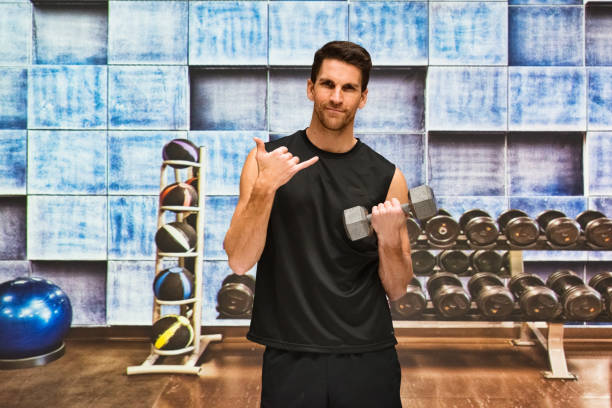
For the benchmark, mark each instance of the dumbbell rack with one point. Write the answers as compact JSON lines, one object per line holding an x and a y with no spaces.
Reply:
{"x":549,"y":335}
{"x":192,"y":307}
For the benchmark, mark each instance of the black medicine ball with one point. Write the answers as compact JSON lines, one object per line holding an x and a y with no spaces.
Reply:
{"x":176,"y":237}
{"x":172,"y":332}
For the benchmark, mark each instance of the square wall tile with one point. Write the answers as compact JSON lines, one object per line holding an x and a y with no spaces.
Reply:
{"x":70,"y":34}
{"x":545,"y":164}
{"x":598,"y":28}
{"x":406,"y":88}
{"x":85,"y":285}
{"x":132,"y":227}
{"x":13,"y":98}
{"x":468,"y":33}
{"x":599,"y":149}
{"x":228,"y":33}
{"x":475,"y":162}
{"x":135,"y":159}
{"x":299,"y":28}
{"x":219,"y":211}
{"x":603,"y":204}
{"x":545,"y":2}
{"x":228,"y":99}
{"x":457,"y":205}
{"x":600,"y":98}
{"x":12,"y":228}
{"x":393,"y":33}
{"x":290,"y":108}
{"x":15,"y":33}
{"x":547,"y":99}
{"x":406,"y":151}
{"x":67,"y":227}
{"x":467,"y":98}
{"x":10,"y":270}
{"x":13,"y":156}
{"x":227,"y":152}
{"x":67,"y":162}
{"x":533,"y":206}
{"x":546,"y":36}
{"x":67,"y":97}
{"x":126,"y":278}
{"x":147,"y":32}
{"x":141,"y":97}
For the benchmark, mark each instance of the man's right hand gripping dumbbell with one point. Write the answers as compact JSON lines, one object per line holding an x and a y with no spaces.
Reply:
{"x":422,"y":205}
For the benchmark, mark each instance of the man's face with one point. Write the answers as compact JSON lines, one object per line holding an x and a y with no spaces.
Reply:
{"x":336,"y":94}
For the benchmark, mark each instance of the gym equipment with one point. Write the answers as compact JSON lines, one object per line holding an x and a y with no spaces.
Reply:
{"x":560,"y":230}
{"x":597,"y":228}
{"x":486,"y":260}
{"x":449,"y":298}
{"x":173,"y":284}
{"x":423,"y":262}
{"x":602,"y":282}
{"x":172,"y":332}
{"x":35,"y":316}
{"x":412,"y":304}
{"x":493,"y":299}
{"x":442,"y":230}
{"x":579,"y":301}
{"x":175,"y":237}
{"x":479,"y":228}
{"x":180,"y":150}
{"x":537,"y":301}
{"x":414,"y":229}
{"x":235,"y":298}
{"x":453,"y":261}
{"x":179,"y":195}
{"x":519,"y":229}
{"x":422,"y":205}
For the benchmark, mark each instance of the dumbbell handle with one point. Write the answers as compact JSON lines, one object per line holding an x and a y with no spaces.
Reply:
{"x":406,"y":207}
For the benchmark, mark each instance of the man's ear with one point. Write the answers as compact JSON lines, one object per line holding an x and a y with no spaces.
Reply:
{"x":364,"y":98}
{"x":310,"y":90}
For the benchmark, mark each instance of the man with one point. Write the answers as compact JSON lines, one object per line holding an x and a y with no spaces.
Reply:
{"x":320,"y":304}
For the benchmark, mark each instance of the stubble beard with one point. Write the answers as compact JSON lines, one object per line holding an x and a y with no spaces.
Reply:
{"x":335,"y":123}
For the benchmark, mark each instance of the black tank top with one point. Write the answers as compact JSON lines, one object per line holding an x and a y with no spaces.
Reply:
{"x":316,"y":290}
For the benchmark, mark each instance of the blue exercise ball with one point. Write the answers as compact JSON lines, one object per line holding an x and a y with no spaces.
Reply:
{"x":35,"y":316}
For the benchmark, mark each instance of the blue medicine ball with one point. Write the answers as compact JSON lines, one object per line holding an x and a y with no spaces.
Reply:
{"x":35,"y":316}
{"x":174,"y":283}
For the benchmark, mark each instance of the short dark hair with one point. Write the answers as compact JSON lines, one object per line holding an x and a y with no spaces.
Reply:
{"x":344,"y":51}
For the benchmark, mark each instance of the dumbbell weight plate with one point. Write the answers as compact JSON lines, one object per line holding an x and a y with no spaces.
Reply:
{"x":486,"y":261}
{"x":587,"y":216}
{"x":522,"y":231}
{"x":454,"y":261}
{"x":582,"y":303}
{"x":451,"y":301}
{"x":423,"y":262}
{"x":562,"y":280}
{"x":602,"y":282}
{"x":597,"y":228}
{"x":537,"y":302}
{"x":507,"y":215}
{"x":560,"y":230}
{"x":442,"y":230}
{"x":479,"y":227}
{"x":414,"y":229}
{"x":493,"y":299}
{"x":236,"y":295}
{"x":412,"y":303}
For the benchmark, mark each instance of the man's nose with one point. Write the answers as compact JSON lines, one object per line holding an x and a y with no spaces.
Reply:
{"x":336,"y":96}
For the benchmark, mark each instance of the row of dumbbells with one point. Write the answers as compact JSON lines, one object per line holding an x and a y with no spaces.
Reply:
{"x":565,"y":296}
{"x":425,"y":263}
{"x":520,"y":230}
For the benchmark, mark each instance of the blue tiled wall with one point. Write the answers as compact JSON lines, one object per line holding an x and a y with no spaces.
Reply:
{"x":496,"y":104}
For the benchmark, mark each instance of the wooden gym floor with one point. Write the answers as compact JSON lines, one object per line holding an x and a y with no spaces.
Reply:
{"x":475,"y":372}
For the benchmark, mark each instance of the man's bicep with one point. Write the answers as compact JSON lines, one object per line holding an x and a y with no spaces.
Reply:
{"x":398,"y":188}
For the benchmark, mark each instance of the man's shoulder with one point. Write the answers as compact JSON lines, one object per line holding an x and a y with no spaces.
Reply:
{"x":374,"y":155}
{"x":283,"y":140}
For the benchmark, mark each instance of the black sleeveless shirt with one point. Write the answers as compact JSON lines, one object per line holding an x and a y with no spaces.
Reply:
{"x":316,"y":290}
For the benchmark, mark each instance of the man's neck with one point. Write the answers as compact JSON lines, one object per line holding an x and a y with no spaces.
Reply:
{"x":333,"y":141}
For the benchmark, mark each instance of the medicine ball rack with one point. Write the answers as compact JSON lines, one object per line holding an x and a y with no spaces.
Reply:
{"x":191,"y":308}
{"x":549,"y":334}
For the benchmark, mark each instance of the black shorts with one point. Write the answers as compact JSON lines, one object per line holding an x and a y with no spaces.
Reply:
{"x":315,"y":380}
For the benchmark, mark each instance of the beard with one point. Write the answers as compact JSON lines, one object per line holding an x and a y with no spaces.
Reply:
{"x":334,"y":120}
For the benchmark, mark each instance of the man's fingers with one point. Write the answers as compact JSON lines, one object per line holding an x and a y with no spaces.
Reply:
{"x":307,"y":163}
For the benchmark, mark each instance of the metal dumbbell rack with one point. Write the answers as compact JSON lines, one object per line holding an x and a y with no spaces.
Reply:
{"x":549,"y":335}
{"x":192,"y":308}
